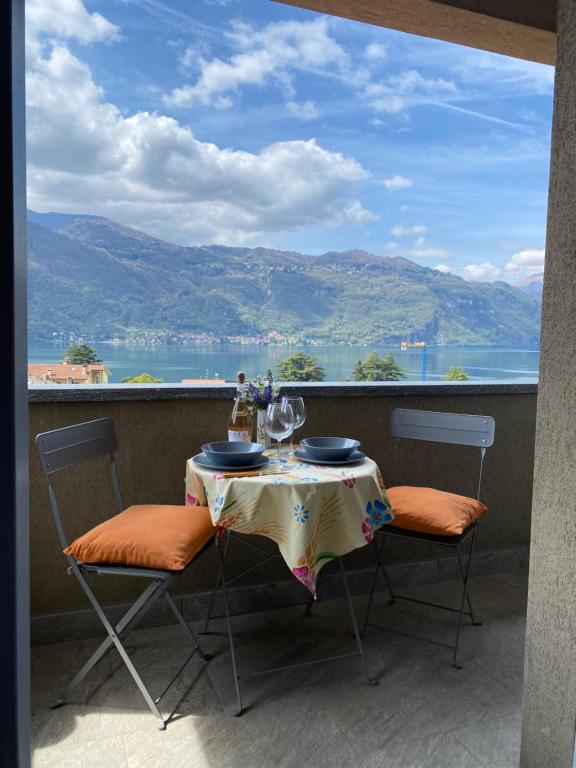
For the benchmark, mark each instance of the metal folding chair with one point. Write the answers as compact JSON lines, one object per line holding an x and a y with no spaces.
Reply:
{"x":435,"y":427}
{"x":68,"y":447}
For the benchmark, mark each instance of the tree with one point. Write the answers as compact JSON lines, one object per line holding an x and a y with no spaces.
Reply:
{"x":81,"y":354}
{"x":300,"y":367}
{"x":456,"y":374}
{"x":142,"y":378}
{"x":376,"y":368}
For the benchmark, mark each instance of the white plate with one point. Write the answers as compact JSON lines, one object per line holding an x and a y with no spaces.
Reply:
{"x":202,"y":461}
{"x":354,"y":458}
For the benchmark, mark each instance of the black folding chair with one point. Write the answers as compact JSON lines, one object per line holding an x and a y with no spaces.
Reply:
{"x":435,"y":427}
{"x":67,"y":447}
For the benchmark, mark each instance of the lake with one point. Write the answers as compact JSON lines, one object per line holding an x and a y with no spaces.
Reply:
{"x":212,"y":361}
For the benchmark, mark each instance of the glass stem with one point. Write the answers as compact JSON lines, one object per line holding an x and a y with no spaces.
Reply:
{"x":292,"y":444}
{"x":279,"y":444}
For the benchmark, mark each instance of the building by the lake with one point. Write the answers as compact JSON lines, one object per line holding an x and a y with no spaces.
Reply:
{"x":67,"y":373}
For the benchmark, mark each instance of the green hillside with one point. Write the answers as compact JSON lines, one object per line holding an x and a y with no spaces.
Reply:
{"x":93,"y":277}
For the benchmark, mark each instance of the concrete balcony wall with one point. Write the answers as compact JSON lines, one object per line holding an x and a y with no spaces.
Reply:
{"x":158,"y":434}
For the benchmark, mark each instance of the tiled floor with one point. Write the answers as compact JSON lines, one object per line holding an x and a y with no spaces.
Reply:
{"x":423,"y":714}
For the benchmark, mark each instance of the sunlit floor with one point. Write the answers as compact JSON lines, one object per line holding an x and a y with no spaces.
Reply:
{"x":423,"y":714}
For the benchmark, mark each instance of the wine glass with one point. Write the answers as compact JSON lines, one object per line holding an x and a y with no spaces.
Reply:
{"x":279,"y":423}
{"x":299,"y":412}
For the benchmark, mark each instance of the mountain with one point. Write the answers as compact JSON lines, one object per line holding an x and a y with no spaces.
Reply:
{"x":93,"y":277}
{"x":54,"y":220}
{"x":532,"y":284}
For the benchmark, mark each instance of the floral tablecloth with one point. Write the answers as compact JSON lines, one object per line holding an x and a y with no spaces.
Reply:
{"x":314,"y":513}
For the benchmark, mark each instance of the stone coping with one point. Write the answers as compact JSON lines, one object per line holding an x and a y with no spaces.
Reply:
{"x":86,"y":393}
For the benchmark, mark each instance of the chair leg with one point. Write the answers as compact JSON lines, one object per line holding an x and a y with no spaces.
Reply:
{"x":238,"y":710}
{"x":465,"y":576}
{"x":379,"y":567}
{"x":211,"y":605}
{"x":133,"y":615}
{"x":371,"y":593}
{"x":474,"y":622}
{"x":382,"y":566}
{"x":151,"y":594}
{"x":187,"y":628}
{"x":359,"y":644}
{"x":216,"y":586}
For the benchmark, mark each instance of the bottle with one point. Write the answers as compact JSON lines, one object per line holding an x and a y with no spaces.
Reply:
{"x":240,"y":421}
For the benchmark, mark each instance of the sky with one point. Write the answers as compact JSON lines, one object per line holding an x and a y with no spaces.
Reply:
{"x":248,"y":122}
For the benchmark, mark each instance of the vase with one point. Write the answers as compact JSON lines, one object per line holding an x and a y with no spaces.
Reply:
{"x":261,"y":434}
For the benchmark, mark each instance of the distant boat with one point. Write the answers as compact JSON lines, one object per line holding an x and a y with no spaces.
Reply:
{"x":405,"y":345}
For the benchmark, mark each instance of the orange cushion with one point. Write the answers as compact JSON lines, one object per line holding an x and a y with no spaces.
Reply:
{"x":427,"y":510}
{"x":147,"y":536}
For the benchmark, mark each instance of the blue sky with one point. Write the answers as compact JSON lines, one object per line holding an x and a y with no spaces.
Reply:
{"x":247,"y":122}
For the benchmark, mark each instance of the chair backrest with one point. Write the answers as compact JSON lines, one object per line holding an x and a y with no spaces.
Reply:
{"x":68,"y":446}
{"x":437,"y":427}
{"x":73,"y":445}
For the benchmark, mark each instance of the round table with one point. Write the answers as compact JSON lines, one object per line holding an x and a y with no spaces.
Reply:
{"x":313,"y":512}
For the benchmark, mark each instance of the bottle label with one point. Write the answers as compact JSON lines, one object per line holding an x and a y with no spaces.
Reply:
{"x":239,"y":436}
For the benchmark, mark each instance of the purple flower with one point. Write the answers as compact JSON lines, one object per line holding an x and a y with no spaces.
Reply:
{"x":262,"y":392}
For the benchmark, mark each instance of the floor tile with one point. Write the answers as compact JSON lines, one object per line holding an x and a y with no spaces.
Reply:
{"x":423,"y":713}
{"x":449,"y":699}
{"x":496,"y":744}
{"x":507,"y":668}
{"x":53,"y":666}
{"x":102,"y":753}
{"x":439,"y":751}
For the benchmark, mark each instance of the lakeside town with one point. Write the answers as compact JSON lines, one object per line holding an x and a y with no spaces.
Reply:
{"x":272,"y":338}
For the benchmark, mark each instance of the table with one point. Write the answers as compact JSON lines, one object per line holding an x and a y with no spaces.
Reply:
{"x":313,"y":512}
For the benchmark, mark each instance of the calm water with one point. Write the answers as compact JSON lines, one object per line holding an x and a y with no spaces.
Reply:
{"x":174,"y":363}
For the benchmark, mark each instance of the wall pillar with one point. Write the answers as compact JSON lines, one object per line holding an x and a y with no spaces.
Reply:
{"x":550,"y":667}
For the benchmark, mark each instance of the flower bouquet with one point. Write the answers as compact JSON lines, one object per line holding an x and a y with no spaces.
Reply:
{"x":261,"y":392}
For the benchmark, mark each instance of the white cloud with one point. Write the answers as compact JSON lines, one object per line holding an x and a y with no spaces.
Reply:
{"x":526,"y":263}
{"x":515,"y":75}
{"x":67,"y":18}
{"x":480,"y":272}
{"x":192,"y":55}
{"x":219,"y":77}
{"x":149,"y":171}
{"x":444,"y":268}
{"x":401,"y":91}
{"x":397,"y":182}
{"x":276,"y":51}
{"x":265,"y":54}
{"x":304,"y":110}
{"x":375,"y":52}
{"x":355,"y":213}
{"x":401,"y":231}
{"x":423,"y":251}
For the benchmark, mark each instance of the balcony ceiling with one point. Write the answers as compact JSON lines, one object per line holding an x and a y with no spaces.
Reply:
{"x":525,"y":29}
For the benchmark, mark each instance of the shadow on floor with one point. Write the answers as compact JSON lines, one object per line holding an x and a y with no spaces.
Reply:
{"x":423,"y":713}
